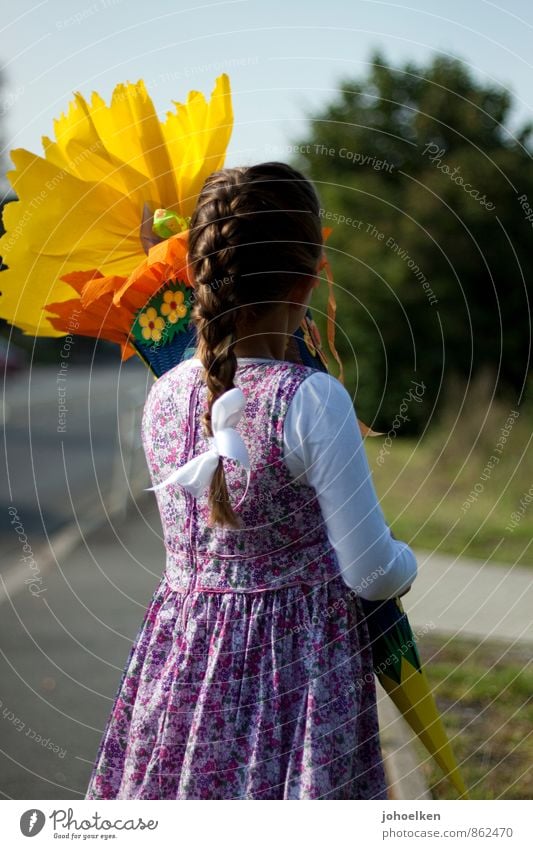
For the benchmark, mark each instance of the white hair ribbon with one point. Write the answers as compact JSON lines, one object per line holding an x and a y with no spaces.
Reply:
{"x":196,"y":475}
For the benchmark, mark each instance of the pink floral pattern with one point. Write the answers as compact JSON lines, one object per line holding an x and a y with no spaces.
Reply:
{"x":251,"y":674}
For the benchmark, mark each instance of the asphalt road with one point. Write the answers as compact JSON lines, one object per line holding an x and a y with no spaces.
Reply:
{"x":58,"y":464}
{"x":63,"y":650}
{"x":71,"y":455}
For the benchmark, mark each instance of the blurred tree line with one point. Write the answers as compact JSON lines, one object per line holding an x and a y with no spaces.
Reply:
{"x":429,"y":193}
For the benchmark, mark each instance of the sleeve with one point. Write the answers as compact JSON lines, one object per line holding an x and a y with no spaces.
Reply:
{"x":324,"y":448}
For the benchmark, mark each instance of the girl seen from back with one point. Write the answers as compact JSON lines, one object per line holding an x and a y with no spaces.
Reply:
{"x":251,"y":674}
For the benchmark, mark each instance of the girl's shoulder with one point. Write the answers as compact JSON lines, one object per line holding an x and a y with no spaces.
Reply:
{"x":320,"y":389}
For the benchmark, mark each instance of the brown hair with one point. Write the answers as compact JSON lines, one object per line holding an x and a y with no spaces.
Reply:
{"x":254,"y":232}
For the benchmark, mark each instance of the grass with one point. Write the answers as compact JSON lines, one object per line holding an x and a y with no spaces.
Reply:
{"x":485,"y":696}
{"x":437,"y":491}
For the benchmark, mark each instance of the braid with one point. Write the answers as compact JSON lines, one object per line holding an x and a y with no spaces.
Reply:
{"x":260,"y":222}
{"x":215,"y":314}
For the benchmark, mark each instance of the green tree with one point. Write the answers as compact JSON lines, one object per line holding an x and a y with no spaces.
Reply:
{"x":427,"y":191}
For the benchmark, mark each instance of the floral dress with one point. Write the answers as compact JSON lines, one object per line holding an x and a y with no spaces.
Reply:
{"x":251,"y":674}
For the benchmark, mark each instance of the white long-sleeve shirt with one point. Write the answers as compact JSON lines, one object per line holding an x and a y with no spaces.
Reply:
{"x":324,"y":449}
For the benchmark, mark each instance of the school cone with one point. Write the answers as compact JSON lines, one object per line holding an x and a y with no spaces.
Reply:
{"x":399,"y":670}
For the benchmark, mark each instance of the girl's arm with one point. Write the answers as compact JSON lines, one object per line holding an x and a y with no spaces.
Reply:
{"x":324,"y":448}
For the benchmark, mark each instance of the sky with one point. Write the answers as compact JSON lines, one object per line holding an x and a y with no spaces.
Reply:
{"x":284,"y":57}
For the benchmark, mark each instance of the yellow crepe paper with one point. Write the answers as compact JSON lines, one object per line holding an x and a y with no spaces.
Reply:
{"x":80,"y":206}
